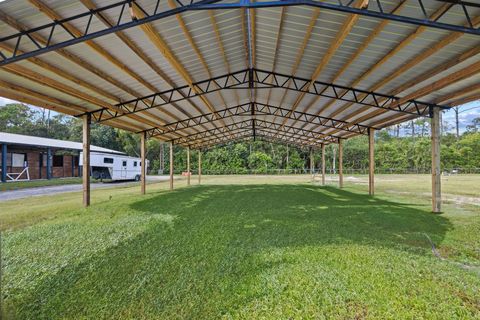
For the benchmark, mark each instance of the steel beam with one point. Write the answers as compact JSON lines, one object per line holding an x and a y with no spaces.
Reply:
{"x":270,"y":79}
{"x":219,"y":136}
{"x":159,"y":99}
{"x":223,"y":140}
{"x":376,"y":9}
{"x":260,"y":109}
{"x":307,"y":134}
{"x":120,"y":12}
{"x":214,"y":132}
{"x":301,"y":134}
{"x":263,"y":79}
{"x":240,"y":110}
{"x":263,"y":135}
{"x":60,"y":36}
{"x":265,"y":131}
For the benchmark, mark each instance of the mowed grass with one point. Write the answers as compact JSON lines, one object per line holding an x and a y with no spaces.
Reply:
{"x":240,"y":248}
{"x":16,"y":185}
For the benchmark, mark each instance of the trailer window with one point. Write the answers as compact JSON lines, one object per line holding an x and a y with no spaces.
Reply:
{"x":134,"y":163}
{"x":124,"y":163}
{"x":107,"y":160}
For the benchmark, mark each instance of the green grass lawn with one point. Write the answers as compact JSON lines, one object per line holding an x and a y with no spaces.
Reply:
{"x":240,"y":248}
{"x":16,"y":185}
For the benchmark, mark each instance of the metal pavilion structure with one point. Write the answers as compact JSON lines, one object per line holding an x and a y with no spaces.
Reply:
{"x":200,"y":73}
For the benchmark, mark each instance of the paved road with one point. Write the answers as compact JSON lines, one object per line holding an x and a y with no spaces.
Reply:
{"x":41,"y":191}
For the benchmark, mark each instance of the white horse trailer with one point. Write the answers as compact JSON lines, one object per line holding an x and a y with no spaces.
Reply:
{"x":113,"y":166}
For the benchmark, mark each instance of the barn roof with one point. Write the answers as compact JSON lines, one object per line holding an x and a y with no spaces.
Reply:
{"x":31,"y":141}
{"x":198,"y":73}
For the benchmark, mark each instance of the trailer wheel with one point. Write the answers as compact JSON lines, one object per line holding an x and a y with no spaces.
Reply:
{"x":96,"y":175}
{"x":137,"y":177}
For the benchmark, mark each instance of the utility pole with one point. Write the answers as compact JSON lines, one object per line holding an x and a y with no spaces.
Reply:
{"x":457,"y":122}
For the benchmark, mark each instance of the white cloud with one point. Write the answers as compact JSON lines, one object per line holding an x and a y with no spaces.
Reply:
{"x":467,"y":113}
{"x":4,"y":101}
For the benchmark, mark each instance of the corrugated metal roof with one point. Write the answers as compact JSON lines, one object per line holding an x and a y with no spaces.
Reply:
{"x":109,"y":71}
{"x":20,"y":139}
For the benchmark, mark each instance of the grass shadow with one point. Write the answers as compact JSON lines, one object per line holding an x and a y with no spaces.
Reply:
{"x":204,"y":264}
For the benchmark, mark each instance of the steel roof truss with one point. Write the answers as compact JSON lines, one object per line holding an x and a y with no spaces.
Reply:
{"x":260,"y":109}
{"x":297,"y":133}
{"x":123,"y":20}
{"x":237,"y":80}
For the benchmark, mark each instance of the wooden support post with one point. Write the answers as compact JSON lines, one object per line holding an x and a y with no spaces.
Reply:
{"x":143,"y":163}
{"x":312,"y":162}
{"x":323,"y":165}
{"x":188,"y":166}
{"x":171,"y":165}
{"x":371,"y":161}
{"x":340,"y":163}
{"x":199,"y":166}
{"x":436,"y":173}
{"x":87,"y":119}
{"x":79,"y":167}
{"x":4,"y":162}
{"x":161,"y":170}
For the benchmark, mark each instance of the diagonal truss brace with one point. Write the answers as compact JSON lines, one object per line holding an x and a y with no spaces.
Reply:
{"x":259,"y":109}
{"x":294,"y":132}
{"x":228,"y":81}
{"x":262,"y":80}
{"x":59,"y":35}
{"x":263,"y":134}
{"x":361,"y":97}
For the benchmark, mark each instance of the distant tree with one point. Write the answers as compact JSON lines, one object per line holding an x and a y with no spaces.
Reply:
{"x":295,"y":161}
{"x":474,"y":126}
{"x":17,"y":118}
{"x":259,"y":161}
{"x":392,"y":152}
{"x":129,"y":142}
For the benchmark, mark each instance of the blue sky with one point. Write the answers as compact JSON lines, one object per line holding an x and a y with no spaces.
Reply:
{"x":467,"y":113}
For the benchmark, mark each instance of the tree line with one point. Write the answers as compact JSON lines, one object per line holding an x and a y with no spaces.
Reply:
{"x":394,"y":152}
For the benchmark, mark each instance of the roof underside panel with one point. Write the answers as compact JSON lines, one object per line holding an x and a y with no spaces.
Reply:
{"x":392,"y":58}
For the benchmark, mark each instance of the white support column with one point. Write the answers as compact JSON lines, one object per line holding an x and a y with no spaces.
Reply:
{"x":340,"y":163}
{"x":436,"y":173}
{"x":371,"y":161}
{"x":199,"y":166}
{"x":143,"y":166}
{"x":87,"y":119}
{"x":323,"y":165}
{"x":188,"y":166}
{"x":171,"y":165}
